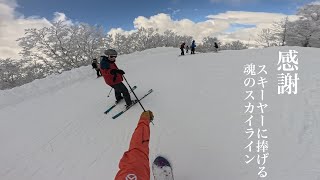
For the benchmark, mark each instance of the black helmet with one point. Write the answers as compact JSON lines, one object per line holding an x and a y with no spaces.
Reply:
{"x":110,"y":52}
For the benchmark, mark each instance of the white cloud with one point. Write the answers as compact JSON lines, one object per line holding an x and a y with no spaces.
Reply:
{"x":58,"y":16}
{"x":172,"y":11}
{"x":176,"y":11}
{"x":7,"y":9}
{"x":184,"y":27}
{"x":315,"y":3}
{"x":259,"y":19}
{"x":115,"y":31}
{"x":245,"y":17}
{"x":216,"y":25}
{"x":12,"y":27}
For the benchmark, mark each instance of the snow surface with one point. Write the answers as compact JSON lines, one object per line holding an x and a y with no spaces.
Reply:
{"x":55,"y":129}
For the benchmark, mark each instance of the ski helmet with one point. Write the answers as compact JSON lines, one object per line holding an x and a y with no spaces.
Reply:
{"x":110,"y":52}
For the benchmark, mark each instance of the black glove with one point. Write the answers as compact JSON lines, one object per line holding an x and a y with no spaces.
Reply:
{"x":114,"y":71}
{"x":119,"y":71}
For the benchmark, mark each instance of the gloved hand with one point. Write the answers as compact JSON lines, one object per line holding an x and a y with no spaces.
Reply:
{"x":147,"y":114}
{"x":119,"y":71}
{"x":113,"y":71}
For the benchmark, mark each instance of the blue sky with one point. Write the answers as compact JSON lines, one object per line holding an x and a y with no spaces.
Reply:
{"x":122,"y":13}
{"x":228,"y":20}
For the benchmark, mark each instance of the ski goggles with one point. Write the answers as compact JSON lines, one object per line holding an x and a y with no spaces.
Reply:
{"x":113,"y":56}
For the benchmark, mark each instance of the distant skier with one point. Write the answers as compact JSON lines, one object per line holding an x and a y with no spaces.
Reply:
{"x":187,"y":49}
{"x":134,"y":163}
{"x":113,"y":76}
{"x":96,"y":67}
{"x":216,"y":46}
{"x":193,"y":47}
{"x":182,"y":48}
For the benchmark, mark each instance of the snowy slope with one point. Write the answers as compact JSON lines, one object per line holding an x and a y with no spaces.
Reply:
{"x":55,"y":129}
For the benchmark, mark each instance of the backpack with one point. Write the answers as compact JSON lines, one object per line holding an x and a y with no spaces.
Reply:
{"x":104,"y":64}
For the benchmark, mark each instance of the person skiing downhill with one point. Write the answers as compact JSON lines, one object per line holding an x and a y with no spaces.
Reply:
{"x":182,"y":48}
{"x":113,"y":76}
{"x":96,"y":67}
{"x":187,"y":49}
{"x":216,"y":46}
{"x":134,"y":163}
{"x":193,"y":47}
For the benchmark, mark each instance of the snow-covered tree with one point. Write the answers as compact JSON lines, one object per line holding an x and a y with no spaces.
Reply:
{"x":120,"y":43}
{"x":10,"y":73}
{"x":34,"y":70}
{"x":148,"y":37}
{"x":16,"y":72}
{"x":143,"y":39}
{"x":280,"y":30}
{"x":170,"y":39}
{"x":234,"y":45}
{"x":305,"y":31}
{"x":63,"y":46}
{"x":207,"y":44}
{"x":299,"y":33}
{"x":266,"y":38}
{"x":310,"y":11}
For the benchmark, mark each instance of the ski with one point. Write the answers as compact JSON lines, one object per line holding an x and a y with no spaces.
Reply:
{"x":115,"y":104}
{"x":127,"y":108}
{"x":162,"y":169}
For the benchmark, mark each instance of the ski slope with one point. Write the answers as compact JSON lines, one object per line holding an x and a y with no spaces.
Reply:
{"x":55,"y":129}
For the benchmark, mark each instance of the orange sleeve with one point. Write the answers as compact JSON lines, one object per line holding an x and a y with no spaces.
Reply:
{"x":135,"y":161}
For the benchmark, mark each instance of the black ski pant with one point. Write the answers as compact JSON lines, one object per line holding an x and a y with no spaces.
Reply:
{"x":119,"y":89}
{"x":182,"y":51}
{"x":98,"y":72}
{"x":192,"y":50}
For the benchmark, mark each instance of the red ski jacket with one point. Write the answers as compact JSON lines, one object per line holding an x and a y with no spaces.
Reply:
{"x":105,"y":67}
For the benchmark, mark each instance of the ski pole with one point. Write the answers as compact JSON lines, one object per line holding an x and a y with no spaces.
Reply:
{"x":134,"y":93}
{"x":110,"y":92}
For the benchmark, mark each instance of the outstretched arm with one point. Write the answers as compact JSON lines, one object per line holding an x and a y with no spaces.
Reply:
{"x":135,"y":161}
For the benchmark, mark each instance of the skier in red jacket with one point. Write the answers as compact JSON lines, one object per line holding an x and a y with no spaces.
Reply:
{"x":113,"y":76}
{"x":135,"y":162}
